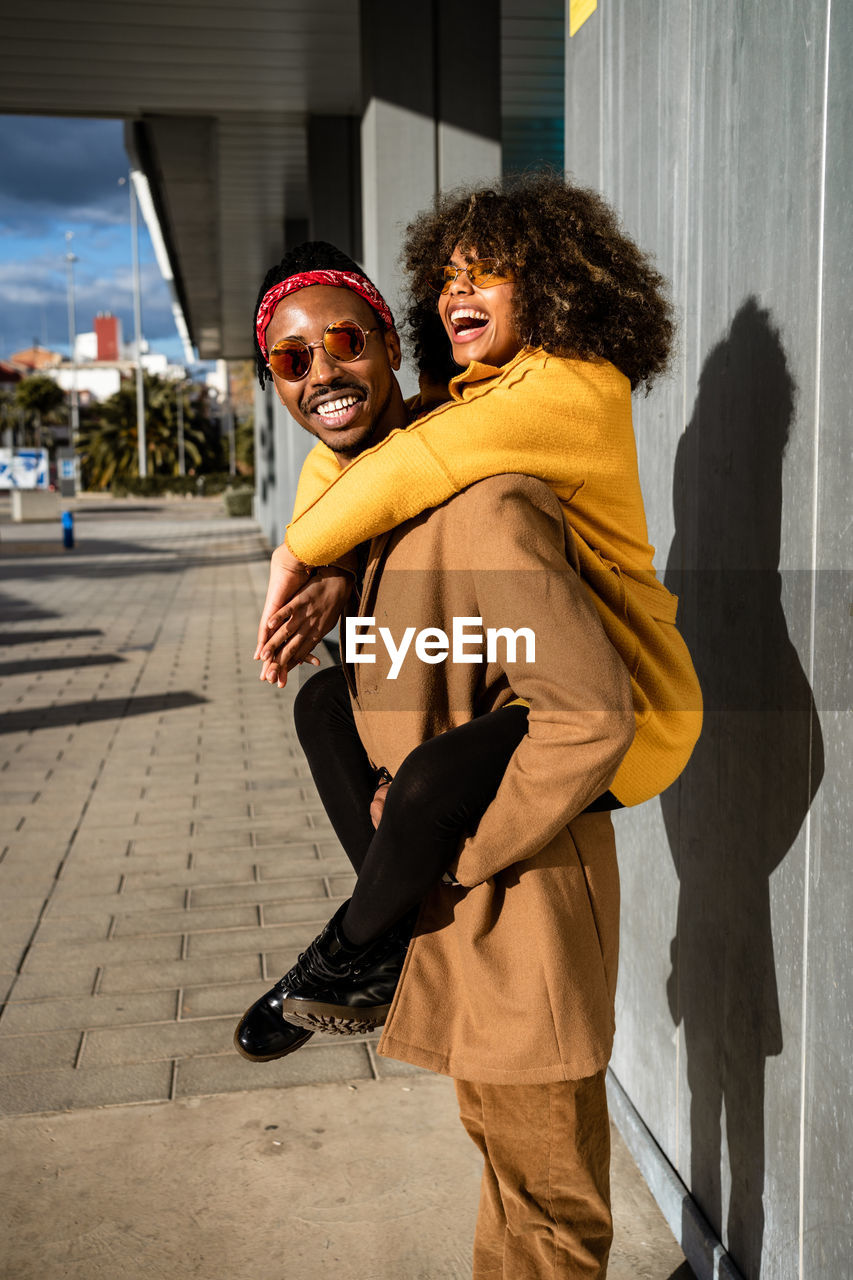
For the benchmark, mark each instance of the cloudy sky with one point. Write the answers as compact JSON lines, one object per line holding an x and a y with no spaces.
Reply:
{"x":58,"y":176}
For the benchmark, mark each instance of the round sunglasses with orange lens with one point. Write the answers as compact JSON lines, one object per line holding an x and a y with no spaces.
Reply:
{"x":484,"y":273}
{"x":344,"y":340}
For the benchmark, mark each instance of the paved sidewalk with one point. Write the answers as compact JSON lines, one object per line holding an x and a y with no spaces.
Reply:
{"x":165,"y":853}
{"x":163,"y":858}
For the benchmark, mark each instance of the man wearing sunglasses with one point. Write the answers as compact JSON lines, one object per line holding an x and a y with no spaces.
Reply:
{"x":332,"y":350}
{"x":475,"y":1000}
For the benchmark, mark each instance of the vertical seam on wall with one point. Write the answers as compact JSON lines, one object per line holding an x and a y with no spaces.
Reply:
{"x":602,"y":12}
{"x":813,"y":613}
{"x":436,"y":101}
{"x":700,"y":225}
{"x":679,"y":1031}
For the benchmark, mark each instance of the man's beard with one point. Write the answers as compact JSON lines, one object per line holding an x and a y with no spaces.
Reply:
{"x":353,"y":450}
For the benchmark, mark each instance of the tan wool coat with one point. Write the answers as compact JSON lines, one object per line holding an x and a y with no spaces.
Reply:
{"x":510,"y":978}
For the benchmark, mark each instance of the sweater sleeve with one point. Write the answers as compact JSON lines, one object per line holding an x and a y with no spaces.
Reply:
{"x":319,"y":470}
{"x":521,"y":423}
{"x":581,"y":719}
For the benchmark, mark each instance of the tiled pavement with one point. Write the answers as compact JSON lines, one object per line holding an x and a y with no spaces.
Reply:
{"x":163,"y":852}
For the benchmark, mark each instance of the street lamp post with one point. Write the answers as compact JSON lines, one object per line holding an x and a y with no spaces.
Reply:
{"x":70,"y":259}
{"x":137,"y":327}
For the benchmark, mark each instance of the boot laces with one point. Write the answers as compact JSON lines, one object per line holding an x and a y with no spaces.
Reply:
{"x":309,"y":964}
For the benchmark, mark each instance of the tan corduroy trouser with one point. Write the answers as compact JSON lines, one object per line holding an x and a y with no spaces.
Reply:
{"x":545,"y":1195}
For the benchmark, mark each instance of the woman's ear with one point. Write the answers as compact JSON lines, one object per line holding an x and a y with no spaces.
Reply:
{"x":392,"y":346}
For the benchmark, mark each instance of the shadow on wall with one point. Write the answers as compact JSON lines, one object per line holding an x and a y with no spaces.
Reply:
{"x":736,"y":811}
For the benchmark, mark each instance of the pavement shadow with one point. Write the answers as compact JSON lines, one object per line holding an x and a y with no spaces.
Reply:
{"x":10,"y":638}
{"x":121,"y":509}
{"x":97,"y":563}
{"x":19,"y":609}
{"x":10,"y":550}
{"x":31,"y":666}
{"x":736,"y":811}
{"x":75,"y":713}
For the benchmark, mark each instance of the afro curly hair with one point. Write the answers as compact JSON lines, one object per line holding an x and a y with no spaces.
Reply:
{"x":583,"y":288}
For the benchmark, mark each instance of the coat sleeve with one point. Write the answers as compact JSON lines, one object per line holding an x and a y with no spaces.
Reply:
{"x":581,"y":719}
{"x":523,"y":424}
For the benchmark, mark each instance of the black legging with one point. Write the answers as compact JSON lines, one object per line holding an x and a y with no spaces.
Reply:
{"x":440,"y":792}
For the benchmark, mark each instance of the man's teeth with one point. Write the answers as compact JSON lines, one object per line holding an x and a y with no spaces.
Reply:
{"x":331,"y":408}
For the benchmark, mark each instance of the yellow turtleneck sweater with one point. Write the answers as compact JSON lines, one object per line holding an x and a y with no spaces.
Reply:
{"x":569,"y":423}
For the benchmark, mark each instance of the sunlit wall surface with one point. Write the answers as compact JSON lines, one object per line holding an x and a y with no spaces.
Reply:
{"x":719,"y":133}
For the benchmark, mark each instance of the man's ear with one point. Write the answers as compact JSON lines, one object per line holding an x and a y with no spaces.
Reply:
{"x":392,"y":346}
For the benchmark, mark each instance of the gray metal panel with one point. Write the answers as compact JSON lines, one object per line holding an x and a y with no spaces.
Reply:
{"x":644,"y":159}
{"x":754,"y":231}
{"x":828,"y":1121}
{"x":742,"y":1080}
{"x":262,"y":170}
{"x":281,"y":445}
{"x":334,"y":181}
{"x":584,"y":90}
{"x":532,"y":57}
{"x":266,"y":468}
{"x":416,"y":137}
{"x":710,"y":145}
{"x":399,"y":163}
{"x":645,"y":995}
{"x":468,"y":138}
{"x":532,"y":83}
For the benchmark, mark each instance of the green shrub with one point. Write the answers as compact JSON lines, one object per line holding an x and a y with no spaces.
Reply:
{"x":157,"y":486}
{"x":238,"y":502}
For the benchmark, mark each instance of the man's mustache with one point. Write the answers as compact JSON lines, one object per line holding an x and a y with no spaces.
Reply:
{"x":336,"y":387}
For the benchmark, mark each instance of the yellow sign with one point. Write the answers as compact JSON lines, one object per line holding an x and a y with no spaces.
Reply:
{"x":579,"y":11}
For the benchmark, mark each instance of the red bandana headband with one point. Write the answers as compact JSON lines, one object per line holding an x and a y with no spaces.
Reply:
{"x":337,"y":279}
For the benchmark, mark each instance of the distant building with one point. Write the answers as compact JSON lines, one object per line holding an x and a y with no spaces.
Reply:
{"x":35,"y":360}
{"x":102,"y":359}
{"x":94,"y":381}
{"x":108,"y":336}
{"x":85,"y":348}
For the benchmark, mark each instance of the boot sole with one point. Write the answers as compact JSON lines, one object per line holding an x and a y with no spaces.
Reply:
{"x":341,"y":1020}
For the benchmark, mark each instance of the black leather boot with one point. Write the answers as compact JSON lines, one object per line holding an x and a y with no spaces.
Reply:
{"x":340,"y":988}
{"x":262,"y":1034}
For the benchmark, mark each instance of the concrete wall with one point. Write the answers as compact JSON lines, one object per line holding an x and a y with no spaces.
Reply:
{"x":718,"y":133}
{"x":281,"y":446}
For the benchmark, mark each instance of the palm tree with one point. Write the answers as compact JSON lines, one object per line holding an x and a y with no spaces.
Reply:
{"x":39,"y":400}
{"x":108,"y":444}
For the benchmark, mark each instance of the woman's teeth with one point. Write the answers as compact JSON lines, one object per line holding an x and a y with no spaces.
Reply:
{"x":333,"y":409}
{"x":467,"y":319}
